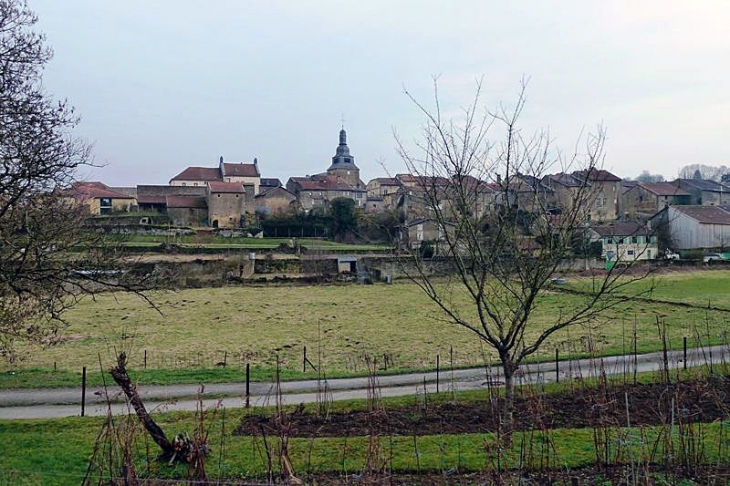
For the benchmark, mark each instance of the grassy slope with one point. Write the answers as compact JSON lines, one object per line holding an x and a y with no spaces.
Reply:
{"x":197,"y":326}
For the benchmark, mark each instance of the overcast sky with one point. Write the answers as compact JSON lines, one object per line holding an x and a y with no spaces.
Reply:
{"x":164,"y":84}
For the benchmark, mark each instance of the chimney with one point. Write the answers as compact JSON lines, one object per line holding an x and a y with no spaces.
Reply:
{"x":499,"y":179}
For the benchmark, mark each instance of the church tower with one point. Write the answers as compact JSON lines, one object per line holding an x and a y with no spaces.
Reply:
{"x":343,"y":164}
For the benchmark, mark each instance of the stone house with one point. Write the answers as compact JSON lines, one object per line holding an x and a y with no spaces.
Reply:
{"x":229,"y":203}
{"x":274,"y":200}
{"x":383,"y":186}
{"x":99,"y":198}
{"x":425,"y":229}
{"x":315,"y":192}
{"x":605,"y":193}
{"x":705,"y":192}
{"x":187,"y":210}
{"x":647,"y":198}
{"x":225,"y":172}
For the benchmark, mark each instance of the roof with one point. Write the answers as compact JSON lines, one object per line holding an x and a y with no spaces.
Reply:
{"x":199,"y":174}
{"x":240,"y":170}
{"x":186,"y":202}
{"x":620,"y":229}
{"x":663,"y":189}
{"x":270,"y":182}
{"x":386,"y":181}
{"x":704,"y":185}
{"x":94,"y":189}
{"x":226,"y":187}
{"x":594,"y":174}
{"x":272,"y":190}
{"x":705,"y":214}
{"x":328,"y":183}
{"x":563,"y":179}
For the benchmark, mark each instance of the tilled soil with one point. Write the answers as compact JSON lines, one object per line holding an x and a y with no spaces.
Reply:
{"x":650,"y":404}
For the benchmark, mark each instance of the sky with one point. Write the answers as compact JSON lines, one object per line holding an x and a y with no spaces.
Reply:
{"x":165,"y":84}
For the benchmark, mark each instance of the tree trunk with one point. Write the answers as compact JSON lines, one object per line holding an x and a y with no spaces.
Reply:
{"x":507,"y":416}
{"x":119,"y":373}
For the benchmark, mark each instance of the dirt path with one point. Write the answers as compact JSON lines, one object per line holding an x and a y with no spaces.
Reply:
{"x":66,"y":402}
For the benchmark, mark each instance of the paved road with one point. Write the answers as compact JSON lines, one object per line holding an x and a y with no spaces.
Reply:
{"x":66,"y":402}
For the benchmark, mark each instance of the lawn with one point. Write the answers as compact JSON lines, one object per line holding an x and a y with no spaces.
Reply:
{"x":340,"y":325}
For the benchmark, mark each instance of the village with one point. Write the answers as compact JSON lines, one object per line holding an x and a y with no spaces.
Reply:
{"x":630,"y":220}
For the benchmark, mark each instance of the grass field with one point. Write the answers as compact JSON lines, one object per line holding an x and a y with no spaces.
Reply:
{"x":58,"y":451}
{"x":196,"y":241}
{"x":197,"y":328}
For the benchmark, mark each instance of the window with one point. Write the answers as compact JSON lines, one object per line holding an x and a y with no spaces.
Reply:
{"x":630,"y":252}
{"x":634,"y":239}
{"x":184,"y":184}
{"x":105,"y":205}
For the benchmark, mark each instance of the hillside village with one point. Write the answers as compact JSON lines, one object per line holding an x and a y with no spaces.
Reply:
{"x":695,"y":213}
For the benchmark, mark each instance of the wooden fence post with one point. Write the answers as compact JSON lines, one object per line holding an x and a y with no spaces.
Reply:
{"x":248,"y":382}
{"x":83,"y":390}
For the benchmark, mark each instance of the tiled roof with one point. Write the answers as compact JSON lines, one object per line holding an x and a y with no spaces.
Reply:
{"x":620,"y":229}
{"x":705,"y":214}
{"x":563,"y":179}
{"x":186,"y":202}
{"x":599,"y":175}
{"x":199,"y":174}
{"x":703,"y":185}
{"x":663,"y":189}
{"x":240,"y":170}
{"x":387,"y":181}
{"x":271,"y":190}
{"x":94,"y":189}
{"x":226,"y":187}
{"x":329,"y":183}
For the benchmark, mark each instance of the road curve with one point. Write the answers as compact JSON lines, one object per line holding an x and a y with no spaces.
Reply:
{"x":66,"y":402}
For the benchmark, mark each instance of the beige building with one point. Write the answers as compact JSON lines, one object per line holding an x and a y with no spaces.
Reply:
{"x":229,"y":203}
{"x":647,"y":198}
{"x":705,"y":192}
{"x":225,"y":172}
{"x":605,"y":193}
{"x":99,"y":198}
{"x":274,"y":200}
{"x":625,"y":242}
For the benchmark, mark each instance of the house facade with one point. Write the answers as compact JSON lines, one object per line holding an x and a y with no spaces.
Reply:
{"x":229,"y":203}
{"x":625,"y":242}
{"x":605,"y":193}
{"x":225,"y":172}
{"x":274,"y":200}
{"x":99,"y":199}
{"x":645,"y":199}
{"x":705,"y":192}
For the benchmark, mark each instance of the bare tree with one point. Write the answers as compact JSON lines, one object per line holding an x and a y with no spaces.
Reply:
{"x":41,"y":241}
{"x":506,"y":231}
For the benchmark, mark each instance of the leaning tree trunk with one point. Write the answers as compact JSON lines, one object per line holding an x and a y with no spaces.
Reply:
{"x":119,"y":373}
